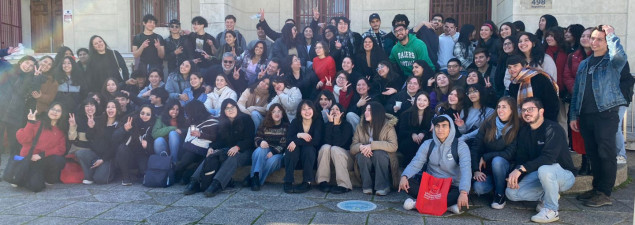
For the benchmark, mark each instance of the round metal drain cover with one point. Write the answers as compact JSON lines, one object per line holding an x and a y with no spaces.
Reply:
{"x":356,"y":206}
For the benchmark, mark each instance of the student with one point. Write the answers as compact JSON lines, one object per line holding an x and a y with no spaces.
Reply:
{"x":534,"y":54}
{"x":488,"y":39}
{"x":474,"y":115}
{"x":488,"y":94}
{"x":546,"y":21}
{"x":304,"y":137}
{"x":230,"y":45}
{"x":49,"y":88}
{"x":375,"y":32}
{"x":348,"y":65}
{"x":324,"y":67}
{"x":72,"y":85}
{"x":254,"y":60}
{"x":78,"y":125}
{"x":507,"y":29}
{"x":104,"y":63}
{"x":288,"y":45}
{"x":232,"y":149}
{"x":158,"y":98}
{"x":135,"y":143}
{"x":408,"y":50}
{"x":530,"y":83}
{"x":297,"y":75}
{"x":424,"y":73}
{"x":414,"y":127}
{"x":233,"y":75}
{"x":254,"y":100}
{"x":109,"y":88}
{"x":169,"y":130}
{"x":202,"y":45}
{"x":441,"y":164}
{"x":456,"y":73}
{"x":405,"y":98}
{"x":289,"y":97}
{"x":440,"y":90}
{"x":447,"y":40}
{"x":357,"y":106}
{"x":222,"y":90}
{"x":323,"y":102}
{"x":271,"y":144}
{"x":481,"y":62}
{"x":555,"y":47}
{"x":48,"y":154}
{"x":428,"y":32}
{"x":366,"y":61}
{"x":543,"y":160}
{"x":342,"y":90}
{"x":178,"y":81}
{"x":176,"y":50}
{"x":196,"y":91}
{"x":308,"y":41}
{"x":390,"y":39}
{"x":203,"y":131}
{"x":262,"y":36}
{"x":82,"y":58}
{"x":465,"y":45}
{"x":337,"y":138}
{"x":230,"y":25}
{"x":501,"y":81}
{"x":347,"y":42}
{"x":40,"y":75}
{"x":387,"y":82}
{"x":97,"y":160}
{"x":149,"y":46}
{"x":155,"y":78}
{"x":493,"y":151}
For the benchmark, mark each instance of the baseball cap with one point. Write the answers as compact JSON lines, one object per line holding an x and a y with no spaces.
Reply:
{"x":373,"y":16}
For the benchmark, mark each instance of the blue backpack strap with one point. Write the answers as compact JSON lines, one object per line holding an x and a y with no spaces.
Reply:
{"x":430,"y":147}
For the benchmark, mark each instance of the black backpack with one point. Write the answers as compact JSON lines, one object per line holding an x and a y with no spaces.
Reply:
{"x":454,"y":149}
{"x":160,"y":172}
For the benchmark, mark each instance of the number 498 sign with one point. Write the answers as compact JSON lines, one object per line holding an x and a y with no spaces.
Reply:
{"x":536,"y":4}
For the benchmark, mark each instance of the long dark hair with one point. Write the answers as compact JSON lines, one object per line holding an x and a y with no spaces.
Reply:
{"x":62,"y":122}
{"x":328,"y":94}
{"x":537,"y":53}
{"x":76,"y":73}
{"x":310,"y":104}
{"x":378,"y":118}
{"x":303,"y":39}
{"x":551,"y":21}
{"x":428,"y":72}
{"x":139,"y":126}
{"x":511,"y":27}
{"x":558,"y":36}
{"x":287,"y":35}
{"x":252,"y":52}
{"x":196,"y":112}
{"x":91,"y":49}
{"x":61,"y":54}
{"x":165,"y":115}
{"x":332,"y":29}
{"x":576,"y":31}
{"x":513,"y":125}
{"x":514,"y":40}
{"x":391,"y":72}
{"x":269,"y":122}
{"x":16,"y":68}
{"x":117,"y":106}
{"x":464,"y":36}
{"x":437,"y":90}
{"x":460,"y":105}
{"x":482,"y":100}
{"x":428,"y":112}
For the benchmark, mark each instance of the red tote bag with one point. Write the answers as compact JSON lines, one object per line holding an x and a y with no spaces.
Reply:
{"x":577,"y":143}
{"x":432,"y":198}
{"x":72,"y":172}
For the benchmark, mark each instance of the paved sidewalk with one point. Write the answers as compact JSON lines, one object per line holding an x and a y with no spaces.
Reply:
{"x":116,"y":204}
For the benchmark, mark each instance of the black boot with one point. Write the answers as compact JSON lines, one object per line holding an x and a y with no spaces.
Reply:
{"x":213,"y":189}
{"x":192,"y":188}
{"x":255,"y":182}
{"x":585,"y":167}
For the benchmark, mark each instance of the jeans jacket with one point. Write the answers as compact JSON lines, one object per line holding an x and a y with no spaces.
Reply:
{"x":606,"y":77}
{"x":175,"y":85}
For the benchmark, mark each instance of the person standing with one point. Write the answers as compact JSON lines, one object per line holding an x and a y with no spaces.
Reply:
{"x":149,"y":46}
{"x":593,"y":111}
{"x":230,"y":25}
{"x":447,"y":40}
{"x":407,"y":50}
{"x":175,"y":51}
{"x":378,"y":35}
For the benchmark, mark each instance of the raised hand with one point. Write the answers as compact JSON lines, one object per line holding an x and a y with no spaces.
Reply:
{"x":487,"y":83}
{"x":262,"y":15}
{"x":31,"y":115}
{"x":13,"y":50}
{"x":319,"y":85}
{"x":36,"y":94}
{"x":236,"y":73}
{"x":262,"y":73}
{"x":71,"y":120}
{"x":91,"y":121}
{"x":457,"y":120}
{"x":431,"y":81}
{"x":338,"y":45}
{"x":157,"y":44}
{"x":128,"y":125}
{"x":329,"y":81}
{"x":210,"y":43}
{"x":38,"y":71}
{"x":363,"y":101}
{"x":330,"y":116}
{"x":145,"y":44}
{"x":608,"y":29}
{"x":345,"y":88}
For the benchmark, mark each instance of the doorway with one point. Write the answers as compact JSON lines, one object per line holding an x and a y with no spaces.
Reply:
{"x":46,"y":25}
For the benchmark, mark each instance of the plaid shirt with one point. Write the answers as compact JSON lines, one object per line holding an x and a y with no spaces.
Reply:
{"x":379,"y":39}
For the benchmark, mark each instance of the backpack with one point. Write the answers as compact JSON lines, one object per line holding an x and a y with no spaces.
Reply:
{"x":160,"y":172}
{"x":454,"y":149}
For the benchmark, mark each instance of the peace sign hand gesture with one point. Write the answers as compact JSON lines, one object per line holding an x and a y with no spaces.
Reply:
{"x":345,"y":88}
{"x":31,"y":115}
{"x":329,"y":81}
{"x":71,"y":120}
{"x":91,"y":121}
{"x":236,"y":73}
{"x":128,"y":124}
{"x":457,"y":120}
{"x":157,"y":44}
{"x":38,"y":71}
{"x":487,"y":83}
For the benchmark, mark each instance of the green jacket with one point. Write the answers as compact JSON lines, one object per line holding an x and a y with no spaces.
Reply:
{"x":160,"y":129}
{"x":405,"y":55}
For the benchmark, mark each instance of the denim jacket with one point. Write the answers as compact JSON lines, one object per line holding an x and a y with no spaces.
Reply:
{"x":606,"y":77}
{"x":175,"y":85}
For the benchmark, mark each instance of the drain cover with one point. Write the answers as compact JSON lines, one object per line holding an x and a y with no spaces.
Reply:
{"x":356,"y":206}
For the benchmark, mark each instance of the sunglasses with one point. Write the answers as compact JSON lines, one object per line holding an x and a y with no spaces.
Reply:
{"x":175,"y":26}
{"x":228,"y":61}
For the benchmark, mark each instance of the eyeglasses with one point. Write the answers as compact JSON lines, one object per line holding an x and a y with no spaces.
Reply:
{"x":472,"y":92}
{"x":230,"y":108}
{"x":55,"y":110}
{"x":145,"y":114}
{"x":528,"y":109}
{"x":175,"y":26}
{"x":507,"y":43}
{"x":399,"y":30}
{"x":380,"y":67}
{"x":228,"y":61}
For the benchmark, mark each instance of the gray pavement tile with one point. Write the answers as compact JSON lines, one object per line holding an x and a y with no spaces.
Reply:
{"x":13,"y":219}
{"x":136,"y":186}
{"x":176,"y":215}
{"x":200,"y":200}
{"x":616,"y":207}
{"x":456,"y":220}
{"x":397,"y":208}
{"x":486,"y":222}
{"x":339,"y":218}
{"x":283,"y":202}
{"x":57,"y":220}
{"x":165,"y":198}
{"x":84,"y":209}
{"x":38,"y":207}
{"x":134,"y":212}
{"x":8,"y":203}
{"x":121,"y":196}
{"x":177,"y":188}
{"x":204,"y":210}
{"x":356,"y":194}
{"x":232,"y":216}
{"x":267,"y":189}
{"x":507,"y":214}
{"x":594,"y":218}
{"x":284,"y":218}
{"x":394,"y":219}
{"x":482,"y":200}
{"x":313,"y":193}
{"x":63,"y":193}
{"x":392,"y":197}
{"x":109,"y":222}
{"x":11,"y":192}
{"x":240,"y":201}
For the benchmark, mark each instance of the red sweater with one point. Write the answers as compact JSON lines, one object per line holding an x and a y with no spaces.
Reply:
{"x":51,"y":142}
{"x":560,"y":60}
{"x":571,"y":68}
{"x":324,"y":68}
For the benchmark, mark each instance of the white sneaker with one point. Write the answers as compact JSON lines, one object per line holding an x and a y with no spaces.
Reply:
{"x":48,"y":184}
{"x":621,"y":159}
{"x":87,"y":182}
{"x":409,"y":204}
{"x":367,"y":191}
{"x":454,"y":209}
{"x":545,"y":216}
{"x":13,"y":185}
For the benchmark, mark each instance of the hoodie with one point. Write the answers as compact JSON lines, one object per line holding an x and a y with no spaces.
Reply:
{"x":405,"y":55}
{"x":441,"y":164}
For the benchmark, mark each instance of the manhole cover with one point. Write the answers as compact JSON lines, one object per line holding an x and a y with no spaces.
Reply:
{"x":356,"y":206}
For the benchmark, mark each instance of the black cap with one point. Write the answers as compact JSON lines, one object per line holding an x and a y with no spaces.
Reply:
{"x":373,"y":16}
{"x":175,"y":21}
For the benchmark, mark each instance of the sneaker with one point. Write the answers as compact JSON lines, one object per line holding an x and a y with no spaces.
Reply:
{"x":545,"y":216}
{"x":499,"y":202}
{"x":303,"y":187}
{"x":382,"y":192}
{"x":454,"y":209}
{"x":288,"y":187}
{"x":409,"y":204}
{"x":586,"y":195}
{"x":600,"y":199}
{"x":621,"y":159}
{"x":367,"y":191}
{"x":126,"y":182}
{"x":324,"y":186}
{"x":339,"y":190}
{"x":213,"y":189}
{"x":13,"y":185}
{"x":48,"y":184}
{"x":87,"y":182}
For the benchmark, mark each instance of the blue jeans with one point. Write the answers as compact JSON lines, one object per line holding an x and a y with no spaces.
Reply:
{"x":262,"y":165}
{"x":543,"y":185}
{"x":257,"y":118}
{"x":174,"y":141}
{"x":619,"y":139}
{"x":500,"y":169}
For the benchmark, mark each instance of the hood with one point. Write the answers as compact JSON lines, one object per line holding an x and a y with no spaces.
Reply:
{"x":452,"y":132}
{"x":390,"y":120}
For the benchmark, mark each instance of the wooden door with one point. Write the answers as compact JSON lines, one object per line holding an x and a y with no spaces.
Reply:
{"x":473,"y":12}
{"x":46,"y":25}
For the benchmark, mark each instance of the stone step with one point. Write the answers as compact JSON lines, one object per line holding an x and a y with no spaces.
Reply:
{"x":584,"y":183}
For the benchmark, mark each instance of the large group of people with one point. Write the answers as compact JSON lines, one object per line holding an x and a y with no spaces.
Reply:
{"x":497,"y":109}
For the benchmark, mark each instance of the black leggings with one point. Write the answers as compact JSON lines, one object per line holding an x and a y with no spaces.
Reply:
{"x":47,"y":170}
{"x":413,"y":191}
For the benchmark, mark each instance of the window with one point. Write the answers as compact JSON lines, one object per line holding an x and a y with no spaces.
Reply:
{"x":163,"y":10}
{"x":10,"y":23}
{"x":303,"y":10}
{"x":473,"y":12}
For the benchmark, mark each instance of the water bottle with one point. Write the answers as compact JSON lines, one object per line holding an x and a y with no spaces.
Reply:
{"x":255,"y":16}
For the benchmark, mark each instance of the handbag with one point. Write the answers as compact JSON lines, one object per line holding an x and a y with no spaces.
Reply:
{"x":72,"y":172}
{"x":18,"y":167}
{"x":432,"y":198}
{"x":118,"y":67}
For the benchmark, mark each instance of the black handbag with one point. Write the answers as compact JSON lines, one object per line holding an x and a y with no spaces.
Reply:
{"x":18,"y":168}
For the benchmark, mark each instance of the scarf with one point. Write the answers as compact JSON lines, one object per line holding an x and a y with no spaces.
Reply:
{"x":259,"y":97}
{"x":524,"y":79}
{"x":499,"y":128}
{"x":347,"y":41}
{"x":219,"y":91}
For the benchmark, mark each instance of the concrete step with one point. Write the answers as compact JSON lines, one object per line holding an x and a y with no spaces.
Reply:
{"x":584,"y":183}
